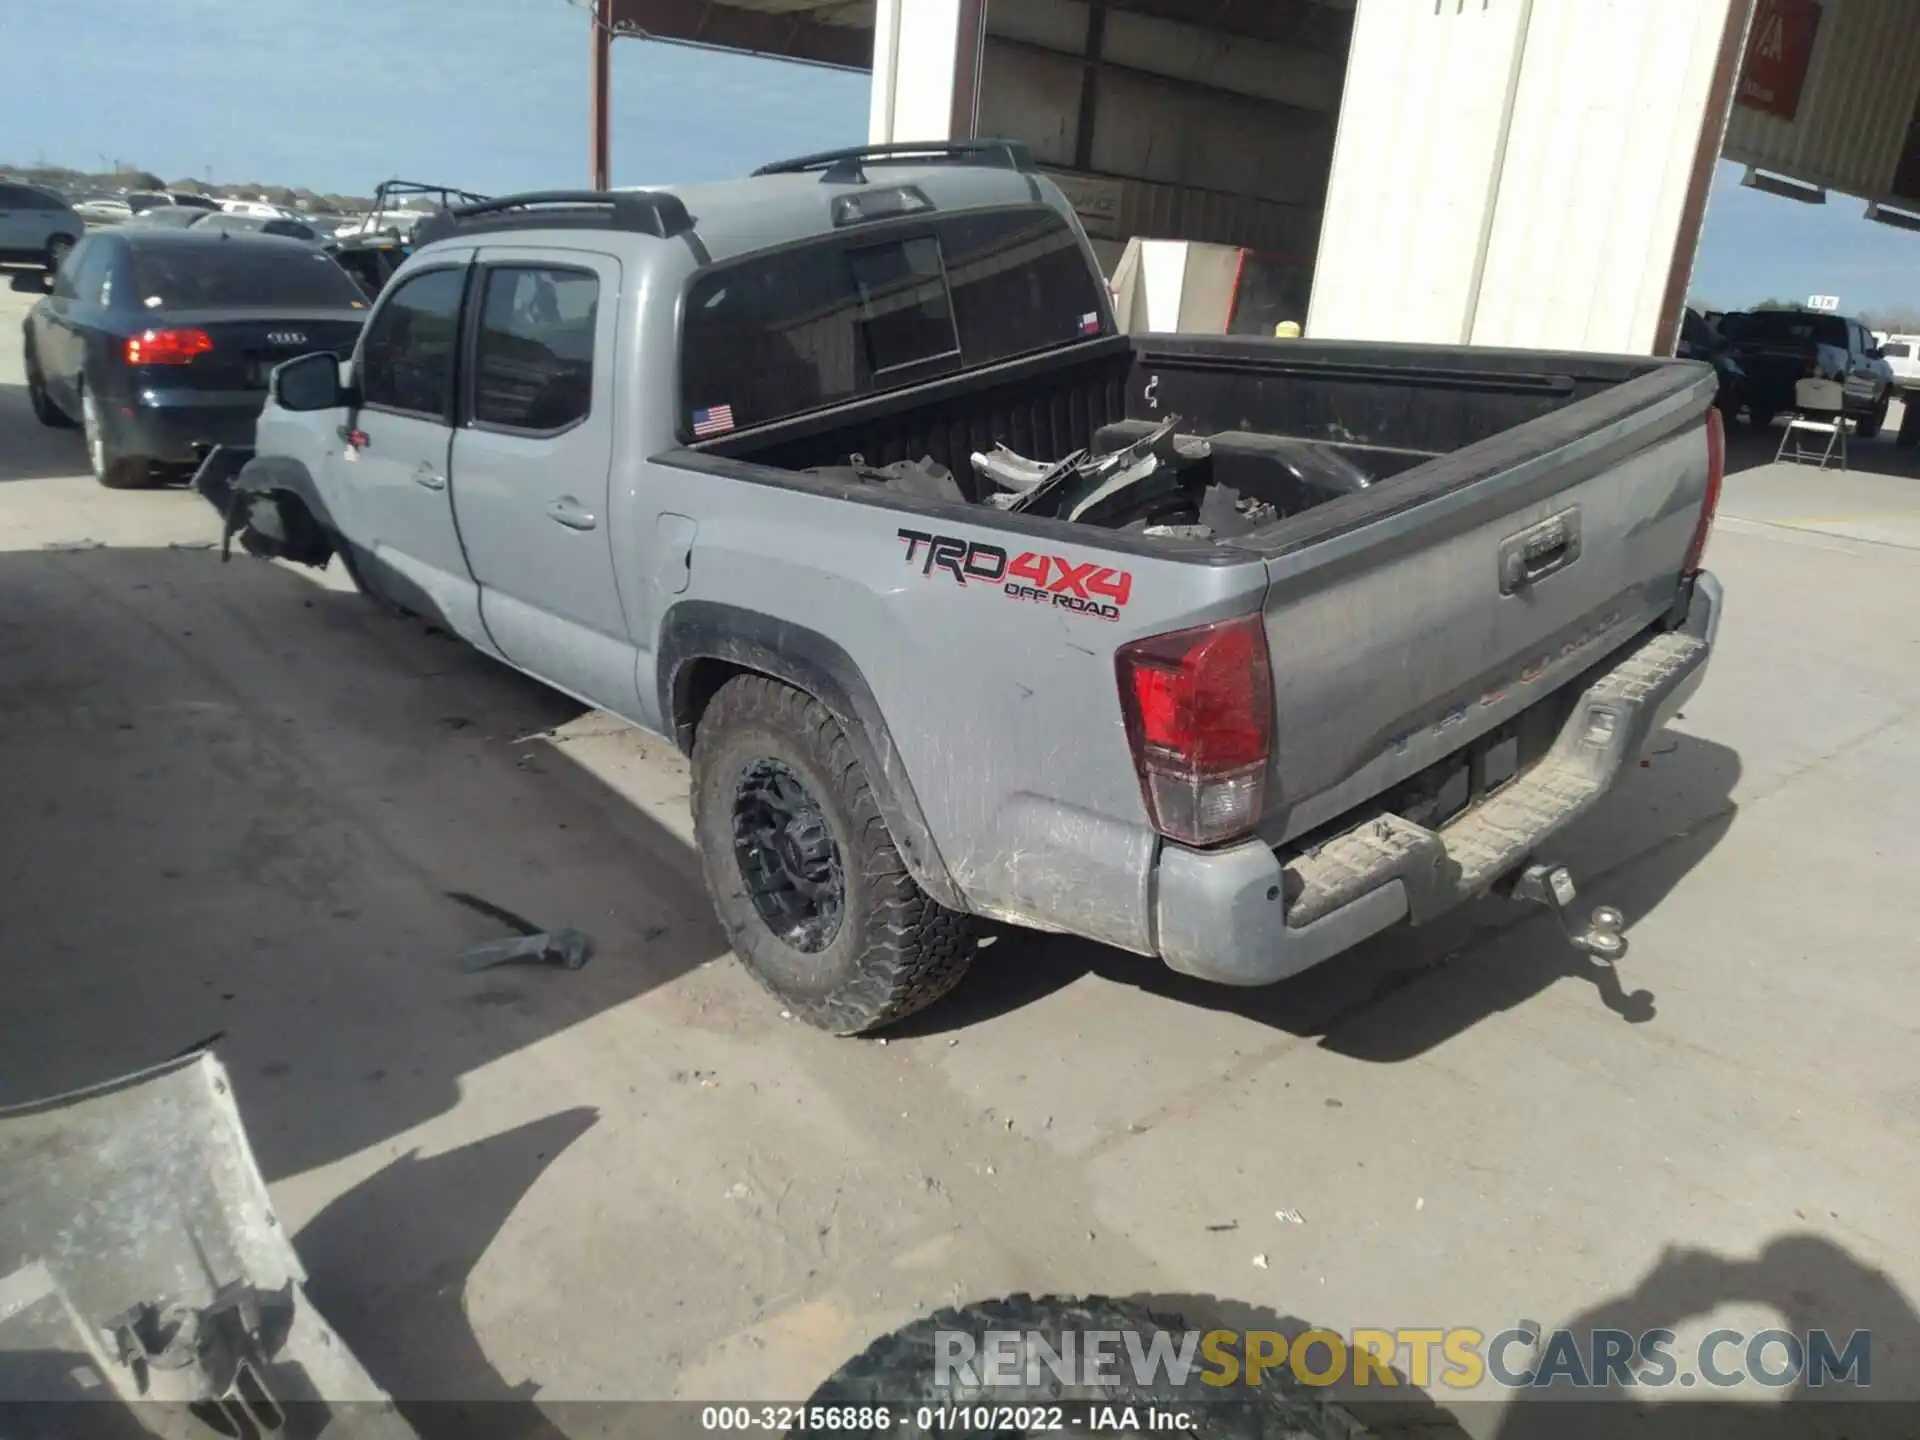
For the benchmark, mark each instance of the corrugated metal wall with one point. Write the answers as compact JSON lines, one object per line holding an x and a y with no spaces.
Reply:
{"x":1514,"y":172}
{"x":1606,"y":121}
{"x":1863,"y":81}
{"x":1414,"y":165}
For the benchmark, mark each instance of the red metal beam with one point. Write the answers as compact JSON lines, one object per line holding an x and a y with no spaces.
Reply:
{"x":729,"y":27}
{"x":599,"y":67}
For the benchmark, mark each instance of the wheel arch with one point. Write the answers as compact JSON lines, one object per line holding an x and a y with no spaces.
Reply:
{"x":705,"y":643}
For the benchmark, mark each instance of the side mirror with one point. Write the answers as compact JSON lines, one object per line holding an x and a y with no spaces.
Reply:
{"x":312,"y":382}
{"x":32,"y":282}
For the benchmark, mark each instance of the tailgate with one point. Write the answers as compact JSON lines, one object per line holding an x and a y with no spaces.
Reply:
{"x":1407,"y":620}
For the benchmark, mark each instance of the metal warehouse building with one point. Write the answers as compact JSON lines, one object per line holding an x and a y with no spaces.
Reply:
{"x":1496,"y":172}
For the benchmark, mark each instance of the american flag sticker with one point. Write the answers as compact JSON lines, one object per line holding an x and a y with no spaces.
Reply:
{"x":1090,"y":323}
{"x":717,"y":421}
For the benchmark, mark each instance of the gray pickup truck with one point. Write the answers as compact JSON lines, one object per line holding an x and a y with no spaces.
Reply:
{"x":1230,"y":651}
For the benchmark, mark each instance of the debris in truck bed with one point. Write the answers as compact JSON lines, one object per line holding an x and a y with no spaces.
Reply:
{"x":925,"y":478}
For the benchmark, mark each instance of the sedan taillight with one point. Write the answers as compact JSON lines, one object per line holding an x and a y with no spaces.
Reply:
{"x":167,"y":347}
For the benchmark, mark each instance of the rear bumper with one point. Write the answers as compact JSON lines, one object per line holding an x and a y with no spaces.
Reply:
{"x":1242,"y":916}
{"x":178,"y":427}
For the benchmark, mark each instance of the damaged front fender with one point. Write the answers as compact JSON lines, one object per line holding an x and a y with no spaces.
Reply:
{"x":270,"y":502}
{"x":146,"y":1286}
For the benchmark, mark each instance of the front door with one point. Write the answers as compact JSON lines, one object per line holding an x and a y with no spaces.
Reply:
{"x":531,"y":463}
{"x":391,"y":465}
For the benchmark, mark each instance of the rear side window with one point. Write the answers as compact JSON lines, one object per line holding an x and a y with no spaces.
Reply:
{"x":821,"y":324}
{"x":1896,"y":350}
{"x":533,"y":357}
{"x":237,"y":273}
{"x":406,"y":358}
{"x":25,"y":197}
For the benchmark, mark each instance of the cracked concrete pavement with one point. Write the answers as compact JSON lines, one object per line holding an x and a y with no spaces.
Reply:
{"x":237,"y":798}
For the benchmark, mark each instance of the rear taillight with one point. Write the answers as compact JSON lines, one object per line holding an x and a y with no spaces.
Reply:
{"x":167,"y":347}
{"x":1716,"y":477}
{"x":1199,"y":712}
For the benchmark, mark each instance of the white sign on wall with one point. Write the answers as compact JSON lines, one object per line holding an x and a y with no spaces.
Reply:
{"x":1823,"y":302}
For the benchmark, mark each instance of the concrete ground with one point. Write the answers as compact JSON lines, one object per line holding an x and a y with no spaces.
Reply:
{"x":241,"y":804}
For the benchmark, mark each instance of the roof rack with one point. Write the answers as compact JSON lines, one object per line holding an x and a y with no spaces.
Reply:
{"x":844,"y":167}
{"x":643,"y":212}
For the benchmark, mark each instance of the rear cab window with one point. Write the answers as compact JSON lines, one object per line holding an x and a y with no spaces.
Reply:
{"x":189,"y":277}
{"x":856,"y":314}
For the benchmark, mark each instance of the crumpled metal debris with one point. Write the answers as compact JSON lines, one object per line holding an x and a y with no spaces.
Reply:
{"x":1112,"y":489}
{"x":924,"y":479}
{"x":566,"y":948}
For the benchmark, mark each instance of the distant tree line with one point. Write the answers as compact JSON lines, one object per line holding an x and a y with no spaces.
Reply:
{"x":83,"y":182}
{"x":1893,"y":319}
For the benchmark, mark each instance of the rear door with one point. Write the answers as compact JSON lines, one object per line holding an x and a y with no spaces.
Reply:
{"x":531,"y":462}
{"x":392,"y":466}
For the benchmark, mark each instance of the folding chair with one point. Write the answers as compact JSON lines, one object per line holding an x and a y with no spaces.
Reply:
{"x":1819,"y":408}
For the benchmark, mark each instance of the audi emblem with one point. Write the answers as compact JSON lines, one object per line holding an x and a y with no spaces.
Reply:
{"x":287,"y":337}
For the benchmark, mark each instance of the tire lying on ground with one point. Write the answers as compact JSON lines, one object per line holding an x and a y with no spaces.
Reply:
{"x":804,"y":875}
{"x":898,"y":1371}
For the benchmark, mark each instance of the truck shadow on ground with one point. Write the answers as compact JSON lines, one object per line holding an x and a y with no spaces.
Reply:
{"x":237,"y":805}
{"x":34,"y":451}
{"x":1405,"y":991}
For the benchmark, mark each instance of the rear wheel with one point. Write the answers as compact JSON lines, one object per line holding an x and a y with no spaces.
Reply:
{"x":1869,"y":424}
{"x":803,"y":872}
{"x":110,"y":467}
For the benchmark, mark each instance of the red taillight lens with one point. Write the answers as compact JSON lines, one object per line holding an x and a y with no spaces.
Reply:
{"x":1716,"y":478}
{"x":1199,"y":712}
{"x":167,"y":347}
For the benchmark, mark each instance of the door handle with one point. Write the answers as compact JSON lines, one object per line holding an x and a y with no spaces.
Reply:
{"x":425,"y":474}
{"x":572,"y":514}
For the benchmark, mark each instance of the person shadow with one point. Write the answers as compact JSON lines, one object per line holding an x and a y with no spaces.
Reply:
{"x":1812,"y":1284}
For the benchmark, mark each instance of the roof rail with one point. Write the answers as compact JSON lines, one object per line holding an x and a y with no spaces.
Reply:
{"x":843,"y":166}
{"x":643,"y":212}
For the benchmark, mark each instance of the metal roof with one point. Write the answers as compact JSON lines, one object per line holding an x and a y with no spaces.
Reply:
{"x":1861,"y":95}
{"x":840,"y":32}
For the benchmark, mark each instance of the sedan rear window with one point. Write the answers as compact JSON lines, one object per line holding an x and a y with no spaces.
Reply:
{"x":238,"y":273}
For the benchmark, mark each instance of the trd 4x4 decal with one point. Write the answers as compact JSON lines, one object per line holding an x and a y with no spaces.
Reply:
{"x":1051,"y":580}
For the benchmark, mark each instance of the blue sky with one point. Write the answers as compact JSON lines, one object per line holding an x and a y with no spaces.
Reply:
{"x":491,"y":95}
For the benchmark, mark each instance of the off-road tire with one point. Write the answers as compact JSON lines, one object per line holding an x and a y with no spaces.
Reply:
{"x":898,"y":1371}
{"x":895,"y":950}
{"x":44,"y":410}
{"x":1868,"y":426}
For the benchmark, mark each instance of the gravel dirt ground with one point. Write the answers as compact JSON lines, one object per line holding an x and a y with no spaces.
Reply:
{"x":240,"y":803}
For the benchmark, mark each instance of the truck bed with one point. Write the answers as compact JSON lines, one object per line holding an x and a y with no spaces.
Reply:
{"x":1395,"y":638}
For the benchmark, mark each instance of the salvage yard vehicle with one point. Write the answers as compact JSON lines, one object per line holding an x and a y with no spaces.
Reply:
{"x":158,"y":341}
{"x":1226,"y":650}
{"x":1776,"y":349}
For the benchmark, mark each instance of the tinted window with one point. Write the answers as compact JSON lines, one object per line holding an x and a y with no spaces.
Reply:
{"x":1020,"y":283}
{"x":88,"y":274}
{"x":187,"y":275}
{"x":1786,"y":327}
{"x":406,"y":360}
{"x":25,"y":197}
{"x":66,"y":282}
{"x":1896,"y":350}
{"x":824,"y":323}
{"x":533,"y":360}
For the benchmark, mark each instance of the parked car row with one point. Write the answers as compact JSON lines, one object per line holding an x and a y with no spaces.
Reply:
{"x":1760,"y":357}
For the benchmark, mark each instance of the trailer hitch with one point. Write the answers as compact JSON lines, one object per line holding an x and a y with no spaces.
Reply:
{"x":1552,"y":886}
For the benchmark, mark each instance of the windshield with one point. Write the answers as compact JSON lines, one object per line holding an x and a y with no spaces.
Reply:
{"x":1786,"y":327}
{"x":184,"y":277}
